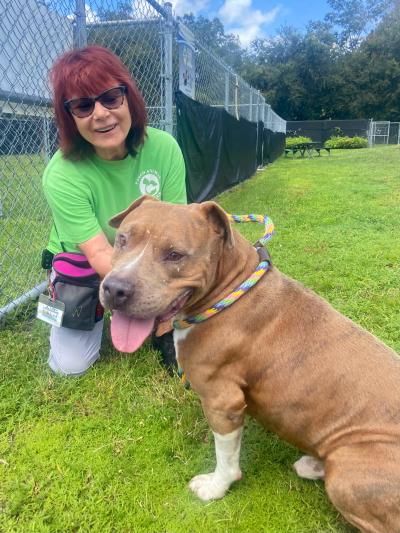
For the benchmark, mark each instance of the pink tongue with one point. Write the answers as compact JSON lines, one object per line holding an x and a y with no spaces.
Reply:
{"x":128,"y":334}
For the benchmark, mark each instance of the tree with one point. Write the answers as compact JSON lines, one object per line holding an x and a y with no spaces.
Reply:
{"x":373,"y":72}
{"x":354,"y":18}
{"x":211,"y":34}
{"x":123,"y":11}
{"x":296,"y":72}
{"x":313,"y":75}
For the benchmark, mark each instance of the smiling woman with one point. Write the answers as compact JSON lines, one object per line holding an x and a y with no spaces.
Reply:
{"x":103,"y":121}
{"x":108,"y":157}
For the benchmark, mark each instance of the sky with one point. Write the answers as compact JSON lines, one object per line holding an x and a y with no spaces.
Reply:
{"x":250,"y":19}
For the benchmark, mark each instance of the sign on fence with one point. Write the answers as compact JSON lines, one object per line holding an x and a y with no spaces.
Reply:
{"x":186,"y":62}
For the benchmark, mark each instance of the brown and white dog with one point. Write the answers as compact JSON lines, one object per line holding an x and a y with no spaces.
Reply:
{"x":280,"y":353}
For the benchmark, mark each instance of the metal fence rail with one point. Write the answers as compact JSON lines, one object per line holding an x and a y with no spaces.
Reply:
{"x":33,"y":34}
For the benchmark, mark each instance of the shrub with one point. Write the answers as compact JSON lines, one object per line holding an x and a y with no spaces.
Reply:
{"x":292,"y":141}
{"x":346,"y":142}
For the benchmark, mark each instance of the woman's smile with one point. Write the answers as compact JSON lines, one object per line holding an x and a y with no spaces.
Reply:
{"x":106,"y":129}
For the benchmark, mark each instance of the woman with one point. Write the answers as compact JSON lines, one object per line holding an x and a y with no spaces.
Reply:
{"x":107,"y":158}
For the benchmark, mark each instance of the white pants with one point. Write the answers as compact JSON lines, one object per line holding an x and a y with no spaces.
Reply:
{"x":73,"y":351}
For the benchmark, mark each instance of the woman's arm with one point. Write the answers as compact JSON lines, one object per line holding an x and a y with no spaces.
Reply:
{"x":98,"y":252}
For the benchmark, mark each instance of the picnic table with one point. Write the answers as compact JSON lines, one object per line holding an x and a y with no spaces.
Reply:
{"x":307,"y":148}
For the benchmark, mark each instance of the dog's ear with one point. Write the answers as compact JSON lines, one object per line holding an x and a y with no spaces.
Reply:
{"x":116,"y":220}
{"x":219,"y":220}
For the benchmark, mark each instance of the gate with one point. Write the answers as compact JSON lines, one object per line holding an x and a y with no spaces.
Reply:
{"x":383,"y":132}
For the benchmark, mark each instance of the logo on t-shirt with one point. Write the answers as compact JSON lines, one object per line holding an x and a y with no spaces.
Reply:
{"x":149,"y":182}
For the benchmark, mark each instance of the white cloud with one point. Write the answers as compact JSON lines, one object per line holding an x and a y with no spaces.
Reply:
{"x":240,"y":18}
{"x":182,"y":7}
{"x":91,"y":16}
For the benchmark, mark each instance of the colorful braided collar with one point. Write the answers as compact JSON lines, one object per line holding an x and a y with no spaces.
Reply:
{"x":259,"y":272}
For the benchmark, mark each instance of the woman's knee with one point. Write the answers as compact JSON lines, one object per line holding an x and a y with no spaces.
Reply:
{"x":70,"y":366}
{"x":73,"y":352}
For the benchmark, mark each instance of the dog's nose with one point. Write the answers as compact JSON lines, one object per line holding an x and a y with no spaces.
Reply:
{"x":117,"y":292}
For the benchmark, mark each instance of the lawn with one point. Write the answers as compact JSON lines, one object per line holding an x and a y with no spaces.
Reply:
{"x":113,"y":451}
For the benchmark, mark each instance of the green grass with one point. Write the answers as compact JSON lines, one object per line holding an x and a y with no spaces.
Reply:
{"x":113,"y":451}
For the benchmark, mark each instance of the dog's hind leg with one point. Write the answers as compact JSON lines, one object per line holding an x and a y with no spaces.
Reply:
{"x":309,"y":467}
{"x":363,"y":482}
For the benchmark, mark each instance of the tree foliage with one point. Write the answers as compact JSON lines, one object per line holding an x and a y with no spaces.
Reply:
{"x":296,"y":72}
{"x":211,"y":33}
{"x":373,"y":72}
{"x":346,"y":66}
{"x":354,"y":18}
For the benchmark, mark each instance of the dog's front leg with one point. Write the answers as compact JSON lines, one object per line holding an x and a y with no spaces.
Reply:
{"x":227,"y":449}
{"x":214,"y":485}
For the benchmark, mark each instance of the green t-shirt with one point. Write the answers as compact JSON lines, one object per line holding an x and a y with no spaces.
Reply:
{"x":84,"y":195}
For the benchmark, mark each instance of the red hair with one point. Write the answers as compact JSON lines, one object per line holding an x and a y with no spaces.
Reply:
{"x":87,"y":72}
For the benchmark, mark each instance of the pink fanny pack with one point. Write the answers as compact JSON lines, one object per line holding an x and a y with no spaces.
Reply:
{"x":75,"y":283}
{"x":73,"y":265}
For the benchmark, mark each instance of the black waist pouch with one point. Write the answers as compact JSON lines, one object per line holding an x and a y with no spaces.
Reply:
{"x":75,"y":283}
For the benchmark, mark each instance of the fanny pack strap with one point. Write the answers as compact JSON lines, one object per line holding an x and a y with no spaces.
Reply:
{"x":61,"y":242}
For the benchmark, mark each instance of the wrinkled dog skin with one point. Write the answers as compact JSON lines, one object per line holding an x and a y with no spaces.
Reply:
{"x":281,"y":354}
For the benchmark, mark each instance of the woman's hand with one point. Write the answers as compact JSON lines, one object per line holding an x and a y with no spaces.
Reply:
{"x":98,"y":252}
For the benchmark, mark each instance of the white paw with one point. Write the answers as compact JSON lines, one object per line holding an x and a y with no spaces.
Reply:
{"x":309,"y":467}
{"x":209,"y":486}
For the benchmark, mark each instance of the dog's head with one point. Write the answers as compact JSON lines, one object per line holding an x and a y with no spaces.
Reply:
{"x":165,"y":257}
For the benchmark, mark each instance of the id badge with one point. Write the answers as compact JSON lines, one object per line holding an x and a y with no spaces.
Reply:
{"x":50,"y":311}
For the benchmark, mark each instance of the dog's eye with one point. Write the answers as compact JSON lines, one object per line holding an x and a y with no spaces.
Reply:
{"x":121,"y":240}
{"x":174,"y":256}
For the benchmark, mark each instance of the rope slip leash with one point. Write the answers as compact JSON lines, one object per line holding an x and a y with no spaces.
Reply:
{"x":246,"y":285}
{"x":261,"y":269}
{"x":261,"y":219}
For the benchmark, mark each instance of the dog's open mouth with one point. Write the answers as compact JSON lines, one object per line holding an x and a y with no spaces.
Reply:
{"x":129,"y":333}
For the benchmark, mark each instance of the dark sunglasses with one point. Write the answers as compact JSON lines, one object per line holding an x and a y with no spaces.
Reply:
{"x":110,"y":99}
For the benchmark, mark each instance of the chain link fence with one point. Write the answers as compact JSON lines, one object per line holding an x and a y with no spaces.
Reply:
{"x":33,"y":33}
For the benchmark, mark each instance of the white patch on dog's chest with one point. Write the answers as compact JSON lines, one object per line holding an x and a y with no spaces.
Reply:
{"x":180,"y":335}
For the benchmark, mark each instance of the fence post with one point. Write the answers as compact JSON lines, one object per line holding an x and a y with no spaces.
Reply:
{"x":227,"y":91}
{"x":370,"y":133}
{"x":251,"y":105}
{"x":46,"y":140}
{"x":269,"y":122}
{"x":258,"y":105}
{"x":80,"y":34}
{"x":236,"y":97}
{"x":262,"y":117}
{"x":168,"y":119}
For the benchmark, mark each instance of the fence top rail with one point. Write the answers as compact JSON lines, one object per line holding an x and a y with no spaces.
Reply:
{"x":20,"y":98}
{"x":122,"y":22}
